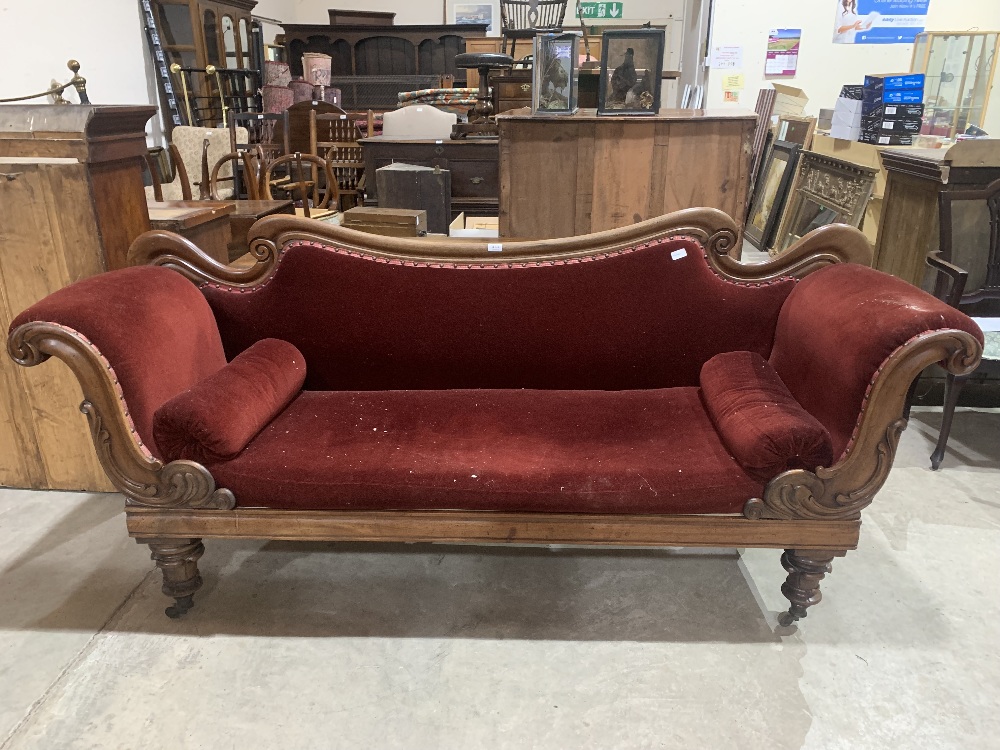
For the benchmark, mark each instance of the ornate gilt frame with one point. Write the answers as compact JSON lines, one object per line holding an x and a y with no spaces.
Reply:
{"x":839,"y":184}
{"x":813,"y":515}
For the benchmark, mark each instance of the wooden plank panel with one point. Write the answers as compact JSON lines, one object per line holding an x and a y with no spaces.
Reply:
{"x":909,"y":227}
{"x":119,"y":202}
{"x":585,"y":195}
{"x":51,"y":240}
{"x":473,"y":526}
{"x":623,"y":152}
{"x":705,"y":175}
{"x":18,"y":467}
{"x":541,"y":157}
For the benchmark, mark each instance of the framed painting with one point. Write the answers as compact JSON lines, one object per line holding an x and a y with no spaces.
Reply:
{"x":484,"y":11}
{"x":770,"y":194}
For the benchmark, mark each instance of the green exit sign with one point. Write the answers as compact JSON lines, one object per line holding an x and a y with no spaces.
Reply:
{"x":600,"y":10}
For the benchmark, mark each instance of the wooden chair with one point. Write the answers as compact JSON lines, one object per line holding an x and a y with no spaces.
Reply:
{"x":522,"y":19}
{"x":334,"y":138}
{"x":154,"y":176}
{"x":300,"y":181}
{"x":266,"y":141}
{"x":953,"y":281}
{"x":249,"y":176}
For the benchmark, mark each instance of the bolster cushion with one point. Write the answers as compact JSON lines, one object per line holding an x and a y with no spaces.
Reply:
{"x":758,"y":419}
{"x":216,"y":418}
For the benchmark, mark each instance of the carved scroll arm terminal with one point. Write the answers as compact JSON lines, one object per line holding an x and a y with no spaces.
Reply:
{"x":140,"y":476}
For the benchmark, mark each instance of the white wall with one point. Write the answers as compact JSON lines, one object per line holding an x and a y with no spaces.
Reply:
{"x":37,"y":37}
{"x":407,"y":11}
{"x":823,"y":65}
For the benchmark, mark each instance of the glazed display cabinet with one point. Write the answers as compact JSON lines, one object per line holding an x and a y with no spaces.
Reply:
{"x":959,"y":69}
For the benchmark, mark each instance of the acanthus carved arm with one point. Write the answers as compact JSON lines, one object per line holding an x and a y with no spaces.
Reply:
{"x":844,"y":489}
{"x":140,"y":476}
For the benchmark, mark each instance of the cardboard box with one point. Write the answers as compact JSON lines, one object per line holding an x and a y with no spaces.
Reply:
{"x":889,"y":125}
{"x":884,"y":139}
{"x":898,"y":112}
{"x":788,"y":100}
{"x":873,"y":102}
{"x":894,"y":82}
{"x":474,"y":226}
{"x":851,"y":91}
{"x":845,"y":132}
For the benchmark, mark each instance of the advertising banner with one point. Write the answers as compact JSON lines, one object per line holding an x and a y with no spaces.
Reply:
{"x":879,"y":21}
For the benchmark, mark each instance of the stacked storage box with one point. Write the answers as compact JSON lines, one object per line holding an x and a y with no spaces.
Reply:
{"x":846,"y":122}
{"x":892,"y":109}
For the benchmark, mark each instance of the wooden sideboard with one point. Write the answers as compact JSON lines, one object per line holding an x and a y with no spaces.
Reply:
{"x":71,"y":202}
{"x":567,"y":176}
{"x":472,"y":162}
{"x":909,"y":228}
{"x":377,"y":49}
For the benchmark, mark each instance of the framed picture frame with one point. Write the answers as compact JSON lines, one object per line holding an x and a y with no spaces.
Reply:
{"x":631,"y":72}
{"x":825,"y":191}
{"x":795,"y":129}
{"x":764,"y":110}
{"x":555,"y":74}
{"x":771,"y":193}
{"x":756,"y":173}
{"x":475,"y":11}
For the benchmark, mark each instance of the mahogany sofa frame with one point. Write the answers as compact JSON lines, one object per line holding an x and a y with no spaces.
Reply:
{"x":812,"y":516}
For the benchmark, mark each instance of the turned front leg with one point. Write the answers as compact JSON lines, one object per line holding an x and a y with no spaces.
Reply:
{"x":178,"y":560}
{"x":806,"y":569}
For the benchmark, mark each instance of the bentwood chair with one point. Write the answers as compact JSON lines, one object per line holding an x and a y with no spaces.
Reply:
{"x":301,"y":185}
{"x":523,"y":19}
{"x":970,"y":236}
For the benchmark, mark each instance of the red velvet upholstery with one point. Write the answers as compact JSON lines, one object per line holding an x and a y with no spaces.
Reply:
{"x":639,"y":319}
{"x":652,"y":451}
{"x":758,"y":420}
{"x":214,"y":419}
{"x":152,"y":325}
{"x":836,"y":329}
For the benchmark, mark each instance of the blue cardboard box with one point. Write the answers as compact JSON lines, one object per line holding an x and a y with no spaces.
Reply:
{"x":895,"y":81}
{"x":873,"y":102}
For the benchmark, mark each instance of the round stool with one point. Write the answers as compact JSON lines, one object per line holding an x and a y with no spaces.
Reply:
{"x":481,"y":121}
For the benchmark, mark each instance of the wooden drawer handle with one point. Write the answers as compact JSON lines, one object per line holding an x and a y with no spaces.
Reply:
{"x":475,"y":180}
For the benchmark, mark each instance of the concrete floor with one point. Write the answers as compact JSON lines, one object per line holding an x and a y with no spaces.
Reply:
{"x":350,"y":646}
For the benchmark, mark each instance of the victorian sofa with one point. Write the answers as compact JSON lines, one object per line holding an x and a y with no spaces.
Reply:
{"x":633,"y":387}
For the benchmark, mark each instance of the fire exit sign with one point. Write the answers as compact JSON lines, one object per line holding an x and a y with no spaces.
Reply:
{"x":600,"y":10}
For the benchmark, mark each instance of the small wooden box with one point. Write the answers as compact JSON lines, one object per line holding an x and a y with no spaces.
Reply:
{"x":391,"y":222}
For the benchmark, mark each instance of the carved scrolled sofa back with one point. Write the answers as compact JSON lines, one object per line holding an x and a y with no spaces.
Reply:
{"x":647,"y":316}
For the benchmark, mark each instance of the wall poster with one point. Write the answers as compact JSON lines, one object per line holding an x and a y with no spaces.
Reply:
{"x":879,"y":21}
{"x":782,"y":52}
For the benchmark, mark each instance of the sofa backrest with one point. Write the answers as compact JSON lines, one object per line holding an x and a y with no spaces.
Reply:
{"x":645,"y":317}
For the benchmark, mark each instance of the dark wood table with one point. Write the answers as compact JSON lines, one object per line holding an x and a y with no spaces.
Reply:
{"x":205,"y":223}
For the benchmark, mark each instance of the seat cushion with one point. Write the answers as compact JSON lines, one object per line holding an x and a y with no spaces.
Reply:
{"x":648,"y":451}
{"x":759,"y":421}
{"x":214,"y":419}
